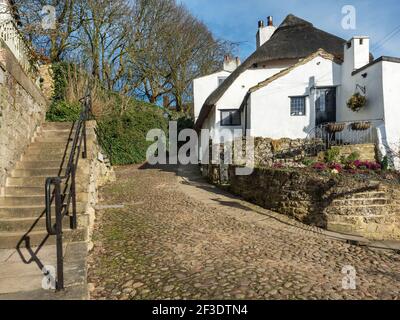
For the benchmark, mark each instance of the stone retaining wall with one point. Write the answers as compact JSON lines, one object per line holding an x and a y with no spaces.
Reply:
{"x":367,"y":151}
{"x":344,"y":204}
{"x":22,"y":111}
{"x":93,"y":172}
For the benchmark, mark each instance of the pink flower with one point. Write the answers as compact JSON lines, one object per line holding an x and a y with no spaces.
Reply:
{"x":319,"y":166}
{"x":336,"y":166}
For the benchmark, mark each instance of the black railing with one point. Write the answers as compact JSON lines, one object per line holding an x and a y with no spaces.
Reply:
{"x":61,"y":190}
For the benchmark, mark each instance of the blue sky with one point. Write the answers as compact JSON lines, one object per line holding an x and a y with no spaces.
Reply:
{"x":236,"y":20}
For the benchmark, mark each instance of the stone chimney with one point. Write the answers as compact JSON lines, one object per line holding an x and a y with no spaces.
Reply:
{"x":356,"y":53}
{"x":265,"y":32}
{"x":230,"y":64}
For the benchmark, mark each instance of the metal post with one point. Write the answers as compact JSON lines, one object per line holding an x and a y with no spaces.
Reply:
{"x":84,"y":154}
{"x":59,"y":237}
{"x":73,"y":195}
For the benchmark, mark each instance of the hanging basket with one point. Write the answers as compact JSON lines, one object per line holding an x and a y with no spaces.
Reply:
{"x":360,"y":126}
{"x":357,"y":102}
{"x":335,"y":127}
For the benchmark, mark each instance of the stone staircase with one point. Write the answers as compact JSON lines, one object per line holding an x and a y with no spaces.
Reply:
{"x":22,"y":204}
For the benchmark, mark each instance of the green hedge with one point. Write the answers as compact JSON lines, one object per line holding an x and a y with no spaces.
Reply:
{"x":121,"y":132}
{"x":123,"y":137}
{"x":63,"y":111}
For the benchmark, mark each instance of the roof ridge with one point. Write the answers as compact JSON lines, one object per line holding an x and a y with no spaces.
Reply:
{"x":291,"y":21}
{"x":320,"y":52}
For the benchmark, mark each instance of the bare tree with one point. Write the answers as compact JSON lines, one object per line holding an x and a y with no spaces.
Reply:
{"x":171,"y":48}
{"x":143,"y":48}
{"x":52,"y":44}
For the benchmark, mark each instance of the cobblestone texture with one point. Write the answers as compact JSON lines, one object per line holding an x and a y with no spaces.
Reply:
{"x":166,"y":244}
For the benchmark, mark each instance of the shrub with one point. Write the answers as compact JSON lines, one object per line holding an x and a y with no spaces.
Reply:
{"x":332,"y":155}
{"x":308,"y":162}
{"x":367,"y":165}
{"x":385,"y":163}
{"x":123,"y":137}
{"x":353,"y":157}
{"x":63,"y":111}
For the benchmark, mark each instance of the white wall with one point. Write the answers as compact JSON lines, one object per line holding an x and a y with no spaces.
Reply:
{"x":270,"y":106}
{"x":374,"y":92}
{"x":203,"y":87}
{"x":234,"y":96}
{"x":391,"y":91}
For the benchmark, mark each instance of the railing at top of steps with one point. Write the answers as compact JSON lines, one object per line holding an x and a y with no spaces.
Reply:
{"x":14,"y":39}
{"x":61,"y":190}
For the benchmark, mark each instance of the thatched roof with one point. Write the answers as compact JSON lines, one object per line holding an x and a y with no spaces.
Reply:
{"x":294,"y":39}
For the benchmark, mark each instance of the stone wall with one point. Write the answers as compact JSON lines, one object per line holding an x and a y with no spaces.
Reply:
{"x":344,"y":204}
{"x":267,"y":150}
{"x":22,"y":111}
{"x":47,"y":81}
{"x":93,"y":172}
{"x":367,"y":152}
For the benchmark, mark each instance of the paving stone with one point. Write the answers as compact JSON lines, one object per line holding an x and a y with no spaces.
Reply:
{"x":184,"y":243}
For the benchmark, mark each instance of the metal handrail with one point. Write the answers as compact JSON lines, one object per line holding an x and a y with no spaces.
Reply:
{"x":63,"y":199}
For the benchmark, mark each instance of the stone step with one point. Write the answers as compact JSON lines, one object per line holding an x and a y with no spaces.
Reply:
{"x":21,"y":211}
{"x":361,"y":202}
{"x":35,"y":223}
{"x":43,"y":156}
{"x":50,"y":144}
{"x":23,"y":201}
{"x":59,"y":152}
{"x":24,"y":191}
{"x":370,"y":195}
{"x":50,"y":138}
{"x":57,"y":126}
{"x":26,"y":182}
{"x":24,"y":173}
{"x":30,"y":211}
{"x":10,"y":240}
{"x":38,"y":165}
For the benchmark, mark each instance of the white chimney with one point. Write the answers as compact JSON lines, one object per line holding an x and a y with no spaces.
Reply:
{"x":265,"y":32}
{"x":230,"y":64}
{"x":356,"y":52}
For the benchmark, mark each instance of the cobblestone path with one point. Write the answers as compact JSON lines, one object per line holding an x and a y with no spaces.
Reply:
{"x":176,"y":240}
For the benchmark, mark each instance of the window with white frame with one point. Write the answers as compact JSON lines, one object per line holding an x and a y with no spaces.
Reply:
{"x":298,"y":106}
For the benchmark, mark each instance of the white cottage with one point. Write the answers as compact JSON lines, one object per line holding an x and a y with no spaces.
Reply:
{"x":299,"y":79}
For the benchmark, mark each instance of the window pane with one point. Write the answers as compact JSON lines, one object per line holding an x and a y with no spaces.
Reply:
{"x":235,"y":118}
{"x":231,"y":118}
{"x":298,"y":106}
{"x":225,"y":118}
